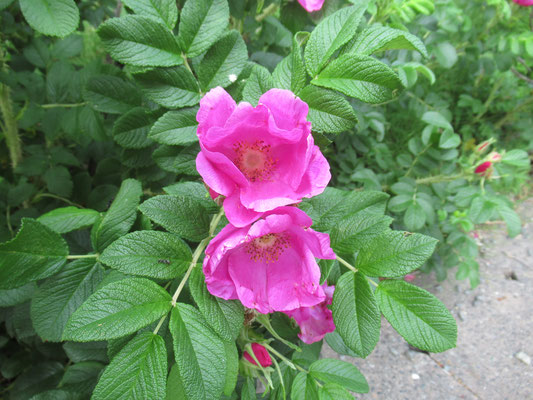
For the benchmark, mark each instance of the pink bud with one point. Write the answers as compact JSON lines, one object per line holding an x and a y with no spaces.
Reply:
{"x":261,"y":354}
{"x":483,"y":146}
{"x":409,"y":277}
{"x":482,"y":168}
{"x":495,"y":156}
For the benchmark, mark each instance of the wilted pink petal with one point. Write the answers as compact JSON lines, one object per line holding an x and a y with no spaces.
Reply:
{"x":269,"y":265}
{"x":409,"y":277}
{"x":261,"y":354}
{"x":261,"y":157}
{"x":495,"y":157}
{"x":312,"y":5}
{"x":316,"y":321}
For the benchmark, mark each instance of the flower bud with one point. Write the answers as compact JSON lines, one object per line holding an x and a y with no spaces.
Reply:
{"x":483,"y":147}
{"x":494,"y":157}
{"x":261,"y":353}
{"x":482,"y":168}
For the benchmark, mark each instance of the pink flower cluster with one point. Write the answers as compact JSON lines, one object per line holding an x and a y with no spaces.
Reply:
{"x":262,"y":160}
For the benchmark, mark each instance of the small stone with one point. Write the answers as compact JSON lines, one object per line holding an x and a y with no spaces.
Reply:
{"x":530,"y":252}
{"x":447,"y":368}
{"x":526,"y":359}
{"x":342,"y":357}
{"x":478,"y":300}
{"x":415,"y":377}
{"x":393,"y":351}
{"x":462,"y":315}
{"x":438,"y":288}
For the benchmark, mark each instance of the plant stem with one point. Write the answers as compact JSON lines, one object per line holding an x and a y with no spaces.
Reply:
{"x":197,"y":253}
{"x":63,"y":105}
{"x":160,"y":323}
{"x":437,"y":178}
{"x":490,"y":99}
{"x":288,"y":362}
{"x":53,"y":196}
{"x":346,"y":264}
{"x":10,"y":126}
{"x":77,"y":257}
{"x":268,"y":11}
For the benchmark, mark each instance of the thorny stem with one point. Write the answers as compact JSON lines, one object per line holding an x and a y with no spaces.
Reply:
{"x":10,"y":123}
{"x":437,"y":179}
{"x":264,"y":320}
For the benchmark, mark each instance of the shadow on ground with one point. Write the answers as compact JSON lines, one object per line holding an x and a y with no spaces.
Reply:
{"x":493,"y":358}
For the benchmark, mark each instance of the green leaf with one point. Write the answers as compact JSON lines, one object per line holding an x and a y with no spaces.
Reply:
{"x":224,"y":316}
{"x":56,"y":300}
{"x":414,"y":217}
{"x":340,"y":372}
{"x":394,"y":254}
{"x":35,"y":253}
{"x":362,"y":77}
{"x":449,"y":140}
{"x":173,"y":87}
{"x":232,"y":367}
{"x":154,"y":254}
{"x":121,"y":215}
{"x":182,"y":215}
{"x":516,"y":158}
{"x":332,"y":391}
{"x":328,"y":111}
{"x":19,"y":295}
{"x":66,"y":219}
{"x":164,"y":11}
{"x":482,"y":209}
{"x":356,"y":313}
{"x":51,"y":17}
{"x":200,"y":354}
{"x":138,"y":371}
{"x":330,"y":207}
{"x":512,"y":220}
{"x":140,"y":41}
{"x":329,"y":35}
{"x":304,"y":387}
{"x":58,"y":181}
{"x":352,"y":232}
{"x":445,"y":54}
{"x":179,"y":160}
{"x":417,"y":315}
{"x":131,"y":129}
{"x":175,"y":388}
{"x":290,"y":72}
{"x":111,"y":94}
{"x":118,"y":309}
{"x":435,"y":118}
{"x":81,"y":378}
{"x":259,"y":82}
{"x":175,"y":128}
{"x":224,"y":61}
{"x":196,"y":190}
{"x":201,"y":24}
{"x":380,"y":38}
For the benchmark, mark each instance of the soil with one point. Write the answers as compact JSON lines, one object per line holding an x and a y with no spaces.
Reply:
{"x":493,"y":357}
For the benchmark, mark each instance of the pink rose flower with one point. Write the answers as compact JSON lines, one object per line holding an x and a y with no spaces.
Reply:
{"x":261,"y":354}
{"x":315,"y":5}
{"x":524,"y":3}
{"x":482,"y":168}
{"x":269,"y":265}
{"x":259,"y":157}
{"x":315,"y":321}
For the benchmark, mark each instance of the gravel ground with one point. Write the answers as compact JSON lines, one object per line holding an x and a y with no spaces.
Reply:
{"x":493,"y":357}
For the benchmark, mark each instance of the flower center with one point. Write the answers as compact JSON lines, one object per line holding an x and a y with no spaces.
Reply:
{"x":254,"y":160}
{"x":268,"y":248}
